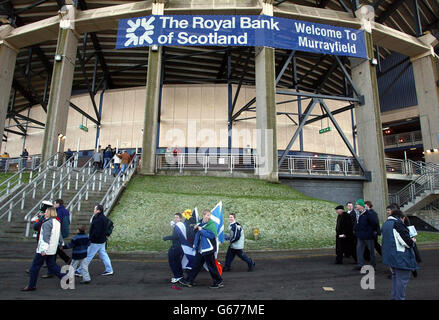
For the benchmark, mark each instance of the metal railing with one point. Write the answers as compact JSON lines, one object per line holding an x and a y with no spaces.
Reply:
{"x":19,"y":163}
{"x":46,"y":171}
{"x":68,"y":178}
{"x":93,"y":183}
{"x":115,"y":188}
{"x":403,"y":139}
{"x":239,"y":162}
{"x":426,"y":182}
{"x":205,"y":162}
{"x":321,"y":166}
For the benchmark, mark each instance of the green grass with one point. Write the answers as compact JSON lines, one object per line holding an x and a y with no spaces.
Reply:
{"x":6,"y":176}
{"x":286,"y":219}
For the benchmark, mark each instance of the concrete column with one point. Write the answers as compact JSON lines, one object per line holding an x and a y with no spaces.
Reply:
{"x":8,"y":57}
{"x":265,"y":71}
{"x":369,"y":131}
{"x":149,"y":145}
{"x":426,"y":74}
{"x":61,"y":86}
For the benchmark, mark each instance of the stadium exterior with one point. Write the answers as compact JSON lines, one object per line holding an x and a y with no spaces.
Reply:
{"x":277,"y":89}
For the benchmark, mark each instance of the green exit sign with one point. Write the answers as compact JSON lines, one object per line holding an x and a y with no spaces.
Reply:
{"x":82,"y":127}
{"x":325,"y":130}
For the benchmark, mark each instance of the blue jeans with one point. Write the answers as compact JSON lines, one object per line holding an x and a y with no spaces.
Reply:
{"x":106,"y":160}
{"x":99,"y":248}
{"x":124,"y":168}
{"x":37,"y":263}
{"x":400,"y":280}
{"x":116,"y":168}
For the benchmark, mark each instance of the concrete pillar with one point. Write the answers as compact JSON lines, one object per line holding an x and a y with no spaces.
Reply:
{"x":8,"y":57}
{"x":369,"y":131}
{"x":265,"y":71}
{"x":149,"y":145}
{"x":426,"y":74}
{"x":61,"y":85}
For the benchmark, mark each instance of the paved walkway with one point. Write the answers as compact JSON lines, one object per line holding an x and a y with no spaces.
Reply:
{"x":300,"y":274}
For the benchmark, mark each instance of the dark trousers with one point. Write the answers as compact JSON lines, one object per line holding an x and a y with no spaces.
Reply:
{"x":338,"y":250}
{"x":64,"y":256}
{"x":199,"y":261}
{"x":175,"y":254}
{"x":38,"y":263}
{"x":231,"y":253}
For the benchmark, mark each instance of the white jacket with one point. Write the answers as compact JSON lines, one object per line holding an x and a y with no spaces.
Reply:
{"x":50,"y":237}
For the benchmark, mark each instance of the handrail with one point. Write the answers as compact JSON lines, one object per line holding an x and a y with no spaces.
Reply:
{"x":11,"y":185}
{"x":111,"y":195}
{"x":57,"y":188}
{"x":32,"y":186}
{"x":76,"y":200}
{"x":429,"y":181}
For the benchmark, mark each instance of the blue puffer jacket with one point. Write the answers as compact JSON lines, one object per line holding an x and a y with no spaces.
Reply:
{"x":397,"y":245}
{"x":367,"y":226}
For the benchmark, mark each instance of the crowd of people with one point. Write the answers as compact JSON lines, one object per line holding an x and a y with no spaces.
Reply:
{"x":103,"y":157}
{"x":195,"y":244}
{"x":357,"y":232}
{"x":51,"y":227}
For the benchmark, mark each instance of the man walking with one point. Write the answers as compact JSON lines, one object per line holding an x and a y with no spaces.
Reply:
{"x":377,"y":233}
{"x":175,"y":252}
{"x":236,"y":247}
{"x":205,"y":245}
{"x":353,"y":215}
{"x":344,"y":235}
{"x":98,"y":238}
{"x":365,"y":231}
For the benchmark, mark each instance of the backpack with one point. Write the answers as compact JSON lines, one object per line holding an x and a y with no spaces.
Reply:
{"x":109,"y":227}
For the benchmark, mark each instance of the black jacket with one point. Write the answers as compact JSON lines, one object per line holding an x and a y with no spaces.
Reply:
{"x":97,"y":228}
{"x":175,"y":239}
{"x":344,"y":225}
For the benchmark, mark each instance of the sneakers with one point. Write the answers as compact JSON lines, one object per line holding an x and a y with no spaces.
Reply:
{"x":47,"y":276}
{"x":252,"y":267}
{"x":175,"y":280}
{"x":185,"y":283}
{"x":85,"y":282}
{"x":107,"y":273}
{"x":77,"y":274}
{"x":217,"y":285}
{"x":28,"y":289}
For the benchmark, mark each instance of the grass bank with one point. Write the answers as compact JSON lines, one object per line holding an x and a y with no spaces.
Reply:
{"x":286,"y":219}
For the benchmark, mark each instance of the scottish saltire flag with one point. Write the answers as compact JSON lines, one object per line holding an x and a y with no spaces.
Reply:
{"x":188,"y":250}
{"x":217,"y":217}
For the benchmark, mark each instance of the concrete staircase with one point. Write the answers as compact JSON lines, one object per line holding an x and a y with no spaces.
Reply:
{"x":421,"y":201}
{"x":16,"y":228}
{"x":418,"y":194}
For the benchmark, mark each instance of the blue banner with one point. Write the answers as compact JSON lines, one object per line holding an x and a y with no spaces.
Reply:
{"x":259,"y":31}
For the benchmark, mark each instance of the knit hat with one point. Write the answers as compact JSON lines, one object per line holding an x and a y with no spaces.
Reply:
{"x":360,"y":202}
{"x":340,"y":207}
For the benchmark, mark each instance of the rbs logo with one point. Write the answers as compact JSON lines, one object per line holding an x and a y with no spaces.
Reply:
{"x":134,"y":32}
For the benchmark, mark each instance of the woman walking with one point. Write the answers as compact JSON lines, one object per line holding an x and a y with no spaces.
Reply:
{"x":48,"y":242}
